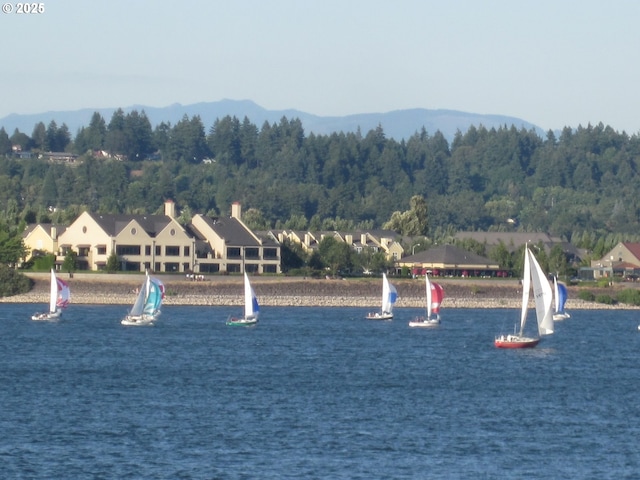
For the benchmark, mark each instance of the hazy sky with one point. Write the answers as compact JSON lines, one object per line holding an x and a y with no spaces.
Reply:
{"x":554,"y":63}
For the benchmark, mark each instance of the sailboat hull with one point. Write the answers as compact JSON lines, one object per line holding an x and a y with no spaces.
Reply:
{"x":242,"y":322}
{"x":422,"y":322}
{"x":137,"y":320}
{"x":560,"y":316}
{"x":515,"y":341}
{"x":379,"y":316}
{"x":46,"y":316}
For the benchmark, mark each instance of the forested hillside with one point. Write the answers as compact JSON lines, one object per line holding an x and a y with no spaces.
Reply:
{"x":580,"y":186}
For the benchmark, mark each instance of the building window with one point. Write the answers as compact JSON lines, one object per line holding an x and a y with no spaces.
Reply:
{"x":233,"y":252}
{"x":147,"y":250}
{"x":101,"y":250}
{"x":156,"y":267}
{"x":83,"y":251}
{"x":251,"y":252}
{"x":172,"y":232}
{"x":128,"y":250}
{"x":171,"y":267}
{"x":158,"y":250}
{"x":209,"y":267}
{"x":233,"y":268}
{"x":269,"y":269}
{"x":187,"y":251}
{"x":171,"y":251}
{"x":84,"y":229}
{"x":134,"y":231}
{"x":270,"y":253}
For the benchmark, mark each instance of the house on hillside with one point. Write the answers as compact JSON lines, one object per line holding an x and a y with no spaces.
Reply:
{"x":450,"y":261}
{"x":623,"y":261}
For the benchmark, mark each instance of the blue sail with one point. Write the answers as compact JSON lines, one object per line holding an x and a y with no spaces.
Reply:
{"x":154,"y":299}
{"x":562,"y":297}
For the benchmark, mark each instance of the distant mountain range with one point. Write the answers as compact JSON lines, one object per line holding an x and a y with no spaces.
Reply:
{"x":398,"y":124}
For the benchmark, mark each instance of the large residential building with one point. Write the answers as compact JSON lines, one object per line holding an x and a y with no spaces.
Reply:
{"x":160,"y":243}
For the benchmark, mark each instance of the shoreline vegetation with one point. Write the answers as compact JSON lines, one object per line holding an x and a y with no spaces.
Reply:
{"x":227,"y":290}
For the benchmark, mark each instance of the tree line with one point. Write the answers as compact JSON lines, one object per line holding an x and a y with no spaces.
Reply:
{"x":579,"y":184}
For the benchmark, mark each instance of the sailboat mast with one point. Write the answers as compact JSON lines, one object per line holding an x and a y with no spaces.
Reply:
{"x":429,"y":299}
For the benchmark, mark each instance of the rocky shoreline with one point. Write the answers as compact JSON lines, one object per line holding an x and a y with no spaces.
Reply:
{"x":119,"y":289}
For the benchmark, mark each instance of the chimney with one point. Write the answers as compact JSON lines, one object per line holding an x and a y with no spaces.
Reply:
{"x":363,"y":238}
{"x":170,"y":208}
{"x":54,"y":233}
{"x":236,"y":210}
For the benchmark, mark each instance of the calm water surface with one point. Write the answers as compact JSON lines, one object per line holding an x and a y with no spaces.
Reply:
{"x":316,"y":393}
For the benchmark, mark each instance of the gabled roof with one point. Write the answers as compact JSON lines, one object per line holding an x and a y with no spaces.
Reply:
{"x":232,"y":231}
{"x":449,"y":255}
{"x":45,"y":226}
{"x":634,"y":248}
{"x":113,"y":224}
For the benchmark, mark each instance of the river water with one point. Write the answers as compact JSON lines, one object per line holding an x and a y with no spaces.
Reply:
{"x":316,"y":393}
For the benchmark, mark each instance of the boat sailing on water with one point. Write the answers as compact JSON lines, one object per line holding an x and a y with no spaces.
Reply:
{"x":146,"y":308}
{"x":251,"y":307}
{"x":560,"y":298}
{"x":389,"y":297}
{"x":435,"y":294}
{"x":543,"y":295}
{"x":59,"y":297}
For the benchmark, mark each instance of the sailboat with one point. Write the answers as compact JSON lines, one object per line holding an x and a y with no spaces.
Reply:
{"x":251,"y":307}
{"x":146,"y":308}
{"x":59,"y":297}
{"x":389,"y":297}
{"x":435,"y":294}
{"x":543,"y":295}
{"x":560,"y":297}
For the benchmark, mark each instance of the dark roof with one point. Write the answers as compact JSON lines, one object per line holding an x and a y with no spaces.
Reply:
{"x":448,"y":255}
{"x":114,"y":223}
{"x":46,"y":227}
{"x":233,"y":231}
{"x":634,"y":248}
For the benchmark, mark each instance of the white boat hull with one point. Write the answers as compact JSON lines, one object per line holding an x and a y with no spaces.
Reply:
{"x":380,"y":316}
{"x":422,"y":323}
{"x":137,"y":321}
{"x":560,"y":316}
{"x":46,"y":316}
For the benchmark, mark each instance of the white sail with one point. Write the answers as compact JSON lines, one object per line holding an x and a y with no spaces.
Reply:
{"x":138,"y":305}
{"x":526,"y":286}
{"x":389,"y":295}
{"x":543,"y":296}
{"x":53,"y":293}
{"x":251,"y":308}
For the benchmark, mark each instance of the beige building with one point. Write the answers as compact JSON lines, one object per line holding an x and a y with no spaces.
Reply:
{"x":161,"y":244}
{"x":41,"y":238}
{"x":622,"y":261}
{"x":376,"y":240}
